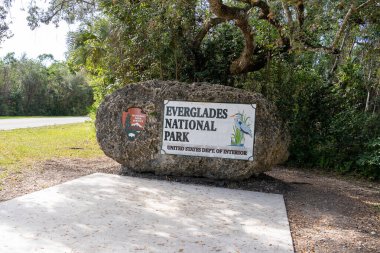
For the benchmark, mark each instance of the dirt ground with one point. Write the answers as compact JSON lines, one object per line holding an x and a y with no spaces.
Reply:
{"x":326,"y":213}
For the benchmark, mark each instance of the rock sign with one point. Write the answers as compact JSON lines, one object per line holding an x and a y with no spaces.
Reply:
{"x":173,"y":128}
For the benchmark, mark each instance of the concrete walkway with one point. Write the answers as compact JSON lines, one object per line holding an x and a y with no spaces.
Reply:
{"x":9,"y":124}
{"x":110,"y":213}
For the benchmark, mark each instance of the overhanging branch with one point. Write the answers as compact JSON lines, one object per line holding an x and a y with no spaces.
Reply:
{"x":205,"y":29}
{"x":252,"y":58}
{"x":226,"y":12}
{"x":346,"y":19}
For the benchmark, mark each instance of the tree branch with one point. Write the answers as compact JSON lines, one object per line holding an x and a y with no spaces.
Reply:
{"x":251,"y":58}
{"x":288,"y":14}
{"x":56,"y":9}
{"x":289,"y":18}
{"x":226,"y":12}
{"x":300,"y":8}
{"x":267,"y":14}
{"x":244,"y":62}
{"x":205,"y":29}
{"x":363,"y":5}
{"x":338,"y":56}
{"x":343,"y":26}
{"x":349,"y":13}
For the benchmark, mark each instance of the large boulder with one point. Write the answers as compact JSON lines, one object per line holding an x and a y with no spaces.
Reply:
{"x":141,"y":150}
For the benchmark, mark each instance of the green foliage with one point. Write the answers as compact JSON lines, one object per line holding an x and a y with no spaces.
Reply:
{"x":329,"y":126}
{"x":218,"y":49}
{"x":369,"y":161}
{"x":237,"y":137}
{"x":134,"y":41}
{"x":28,"y":87}
{"x":4,"y":23}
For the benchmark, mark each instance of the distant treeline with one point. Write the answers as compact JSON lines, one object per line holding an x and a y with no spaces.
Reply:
{"x":41,"y":86}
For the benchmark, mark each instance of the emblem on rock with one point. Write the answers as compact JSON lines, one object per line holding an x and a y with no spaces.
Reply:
{"x":133,"y":122}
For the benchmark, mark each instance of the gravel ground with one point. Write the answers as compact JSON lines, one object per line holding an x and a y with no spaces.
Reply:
{"x":326,"y":213}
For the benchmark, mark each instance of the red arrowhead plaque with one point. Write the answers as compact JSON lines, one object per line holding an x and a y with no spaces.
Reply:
{"x":133,"y":122}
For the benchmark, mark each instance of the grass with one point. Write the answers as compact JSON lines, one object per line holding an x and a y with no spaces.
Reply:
{"x":237,"y":137}
{"x":20,"y":148}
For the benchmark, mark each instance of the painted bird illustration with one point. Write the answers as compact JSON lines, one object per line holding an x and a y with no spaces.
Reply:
{"x":243,"y":127}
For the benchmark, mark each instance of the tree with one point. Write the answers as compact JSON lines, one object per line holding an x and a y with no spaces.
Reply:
{"x":4,"y":24}
{"x":29,"y":87}
{"x":291,"y":35}
{"x":289,"y":25}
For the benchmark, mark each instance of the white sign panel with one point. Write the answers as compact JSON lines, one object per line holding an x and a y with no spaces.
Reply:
{"x":209,"y":129}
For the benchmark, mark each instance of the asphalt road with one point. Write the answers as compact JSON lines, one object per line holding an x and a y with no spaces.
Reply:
{"x":9,"y":124}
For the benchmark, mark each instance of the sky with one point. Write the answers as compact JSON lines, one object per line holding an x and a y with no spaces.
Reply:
{"x":46,"y":39}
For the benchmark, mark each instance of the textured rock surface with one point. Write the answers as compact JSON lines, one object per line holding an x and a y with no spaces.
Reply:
{"x":143,"y":153}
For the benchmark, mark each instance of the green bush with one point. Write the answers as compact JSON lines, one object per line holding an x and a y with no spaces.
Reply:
{"x":369,"y":161}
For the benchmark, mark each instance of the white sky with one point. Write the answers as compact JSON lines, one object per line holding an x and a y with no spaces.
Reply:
{"x":46,"y":39}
